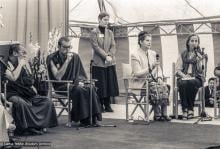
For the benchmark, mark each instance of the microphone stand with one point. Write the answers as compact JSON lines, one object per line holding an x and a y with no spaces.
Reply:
{"x":91,"y":84}
{"x":203,"y":115}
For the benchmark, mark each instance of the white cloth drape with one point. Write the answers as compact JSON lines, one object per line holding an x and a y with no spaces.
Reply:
{"x":5,"y":120}
{"x":38,"y":17}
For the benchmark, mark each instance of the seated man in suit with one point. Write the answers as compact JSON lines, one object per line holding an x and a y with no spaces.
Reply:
{"x":209,"y":93}
{"x":64,"y":65}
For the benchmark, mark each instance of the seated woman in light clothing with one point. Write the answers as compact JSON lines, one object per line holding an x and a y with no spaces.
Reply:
{"x":144,"y":64}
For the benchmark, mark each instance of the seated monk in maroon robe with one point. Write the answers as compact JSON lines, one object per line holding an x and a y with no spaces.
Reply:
{"x":63,"y":65}
{"x":31,"y":112}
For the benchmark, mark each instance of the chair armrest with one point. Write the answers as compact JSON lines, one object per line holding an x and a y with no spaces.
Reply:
{"x":132,"y":88}
{"x":58,"y":81}
{"x":129,"y":78}
{"x":88,"y":81}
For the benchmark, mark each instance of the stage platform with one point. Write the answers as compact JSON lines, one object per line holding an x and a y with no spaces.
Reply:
{"x":156,"y":135}
{"x":120,"y":113}
{"x":177,"y":134}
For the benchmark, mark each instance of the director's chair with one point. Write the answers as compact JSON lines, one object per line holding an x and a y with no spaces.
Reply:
{"x":135,"y":96}
{"x":61,"y":99}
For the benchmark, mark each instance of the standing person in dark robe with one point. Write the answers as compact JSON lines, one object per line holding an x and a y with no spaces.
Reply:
{"x":31,"y":112}
{"x":104,"y":61}
{"x":64,"y":65}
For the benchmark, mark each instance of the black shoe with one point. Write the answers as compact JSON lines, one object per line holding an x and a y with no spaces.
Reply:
{"x":157,"y":118}
{"x":84,"y":122}
{"x":34,"y":131}
{"x":166,"y":118}
{"x":102,"y":109}
{"x":108,"y":109}
{"x":95,"y":122}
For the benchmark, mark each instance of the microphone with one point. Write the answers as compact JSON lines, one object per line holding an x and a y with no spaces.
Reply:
{"x":91,"y":62}
{"x":200,"y":52}
{"x":203,"y":50}
{"x":110,"y":26}
{"x":157,"y":57}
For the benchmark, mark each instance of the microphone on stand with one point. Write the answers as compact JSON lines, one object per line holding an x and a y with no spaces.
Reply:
{"x":200,"y":51}
{"x":202,"y":56}
{"x":157,"y":60}
{"x":91,"y":62}
{"x":157,"y":57}
{"x":110,"y":26}
{"x":203,"y":67}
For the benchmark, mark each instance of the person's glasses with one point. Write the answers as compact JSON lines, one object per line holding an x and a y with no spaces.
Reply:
{"x":66,"y":47}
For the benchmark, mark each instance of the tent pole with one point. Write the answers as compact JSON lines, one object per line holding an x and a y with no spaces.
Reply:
{"x":66,"y":17}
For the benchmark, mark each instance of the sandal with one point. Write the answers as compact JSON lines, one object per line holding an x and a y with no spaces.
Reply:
{"x":184,"y":116}
{"x":190,"y":114}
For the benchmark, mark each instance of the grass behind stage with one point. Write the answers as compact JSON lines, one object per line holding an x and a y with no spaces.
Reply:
{"x":156,"y":135}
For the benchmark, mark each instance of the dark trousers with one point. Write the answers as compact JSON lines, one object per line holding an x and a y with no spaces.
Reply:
{"x":106,"y":102}
{"x":188,"y":90}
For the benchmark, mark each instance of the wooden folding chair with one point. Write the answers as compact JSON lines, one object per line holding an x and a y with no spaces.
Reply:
{"x":132,"y":98}
{"x":61,"y":99}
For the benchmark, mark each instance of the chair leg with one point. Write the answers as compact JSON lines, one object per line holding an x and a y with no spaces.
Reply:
{"x":132,"y":113}
{"x":61,"y":111}
{"x":147,"y":109}
{"x":175,"y":104}
{"x":64,"y":108}
{"x":69,"y":124}
{"x":199,"y":109}
{"x":218,"y":111}
{"x":215,"y":108}
{"x":126,"y":107}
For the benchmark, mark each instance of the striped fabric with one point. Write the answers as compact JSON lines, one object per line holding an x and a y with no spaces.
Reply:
{"x":216,"y":43}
